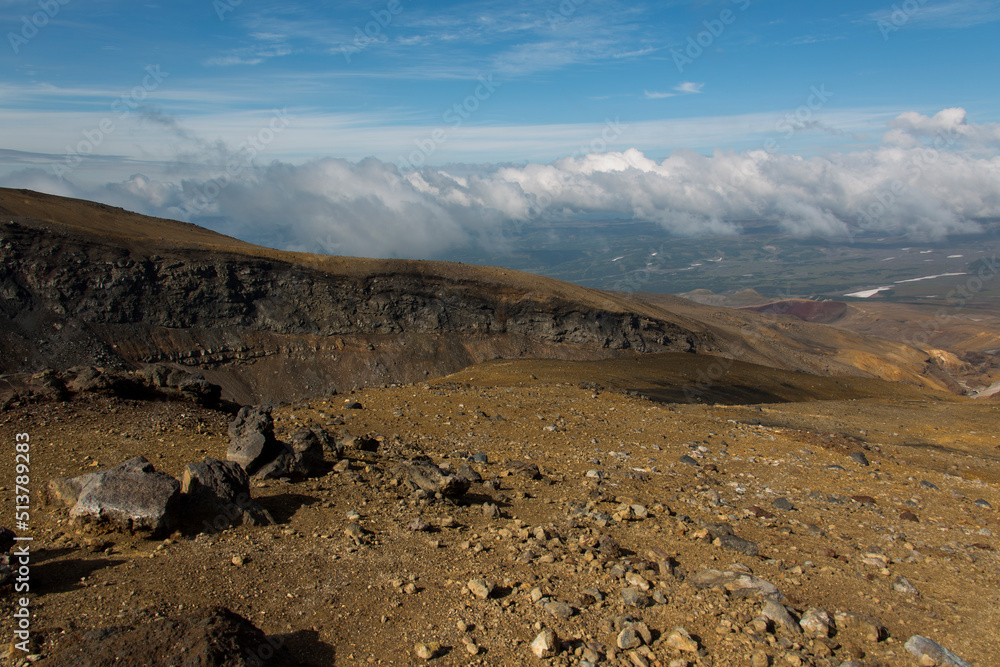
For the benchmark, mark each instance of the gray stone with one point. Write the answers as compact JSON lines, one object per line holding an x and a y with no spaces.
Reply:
{"x":628,"y":639}
{"x":682,"y":640}
{"x":468,"y":473}
{"x":480,"y":457}
{"x":929,"y":485}
{"x":777,"y":613}
{"x":132,"y":496}
{"x":545,"y":644}
{"x":859,"y":458}
{"x":426,"y":476}
{"x":687,"y":460}
{"x":903,"y":585}
{"x":816,"y":622}
{"x":251,"y":439}
{"x":783,"y":504}
{"x":634,"y":598}
{"x":217,"y":495}
{"x":308,"y":445}
{"x":922,"y":646}
{"x":739,"y":584}
{"x":559,"y":609}
{"x":734,"y":543}
{"x":860,"y":624}
{"x":523,"y":469}
{"x":481,"y":588}
{"x":985,"y":504}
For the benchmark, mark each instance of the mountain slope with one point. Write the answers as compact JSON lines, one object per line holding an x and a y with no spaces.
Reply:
{"x":84,"y":283}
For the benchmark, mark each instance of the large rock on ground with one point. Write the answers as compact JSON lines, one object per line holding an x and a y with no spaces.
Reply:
{"x":428,"y":477}
{"x":251,"y":439}
{"x":215,"y":637}
{"x":217,"y":495}
{"x":132,"y":496}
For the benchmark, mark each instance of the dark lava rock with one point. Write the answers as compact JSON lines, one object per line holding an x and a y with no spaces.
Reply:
{"x":860,"y":458}
{"x":687,"y":460}
{"x":251,"y":439}
{"x":215,"y":637}
{"x":609,"y":546}
{"x":984,"y":504}
{"x":218,"y":495}
{"x":734,"y":543}
{"x":132,"y":496}
{"x":929,"y":485}
{"x":783,"y":504}
{"x":717,"y":530}
{"x":428,"y":477}
{"x":524,"y":469}
{"x":908,"y":516}
{"x":760,"y":512}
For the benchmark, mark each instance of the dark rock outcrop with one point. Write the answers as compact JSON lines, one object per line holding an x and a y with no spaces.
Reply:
{"x":217,"y":495}
{"x":214,"y":637}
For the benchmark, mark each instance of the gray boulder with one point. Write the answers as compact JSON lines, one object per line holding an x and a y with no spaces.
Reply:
{"x":251,"y":439}
{"x":922,"y":646}
{"x":308,"y":445}
{"x":217,"y":495}
{"x":132,"y":496}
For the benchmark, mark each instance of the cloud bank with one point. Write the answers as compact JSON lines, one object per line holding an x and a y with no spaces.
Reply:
{"x":929,"y":176}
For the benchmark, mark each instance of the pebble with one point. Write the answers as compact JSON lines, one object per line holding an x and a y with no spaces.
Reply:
{"x":559,"y":609}
{"x":777,"y":613}
{"x":866,"y":626}
{"x":480,"y":588}
{"x":859,"y":458}
{"x":923,"y":648}
{"x":633,"y":598}
{"x":929,"y":485}
{"x":908,"y":516}
{"x":783,"y":504}
{"x":984,"y":504}
{"x":734,"y":543}
{"x":903,"y":585}
{"x":545,"y":644}
{"x":628,"y":638}
{"x":687,"y":460}
{"x":759,"y":659}
{"x":816,"y":622}
{"x":427,"y":651}
{"x":682,"y":641}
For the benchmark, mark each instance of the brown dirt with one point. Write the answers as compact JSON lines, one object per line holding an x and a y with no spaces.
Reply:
{"x":336,"y":602}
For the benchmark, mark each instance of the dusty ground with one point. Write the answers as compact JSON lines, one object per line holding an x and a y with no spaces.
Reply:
{"x":332,"y":601}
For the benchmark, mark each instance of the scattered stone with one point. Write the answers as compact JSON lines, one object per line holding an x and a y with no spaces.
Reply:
{"x":985,"y":504}
{"x":908,"y":516}
{"x":860,"y":624}
{"x":427,"y":651}
{"x":922,"y":647}
{"x":816,"y":623}
{"x":491,"y":510}
{"x":777,"y":613}
{"x":523,"y":469}
{"x":559,"y":609}
{"x":480,"y":457}
{"x":681,"y":640}
{"x":903,"y":585}
{"x":760,"y":658}
{"x":468,"y":473}
{"x":929,"y":485}
{"x":859,"y":458}
{"x":628,"y":638}
{"x":738,"y":583}
{"x":687,"y":460}
{"x":480,"y":588}
{"x":783,"y":504}
{"x":633,"y":598}
{"x":760,"y":512}
{"x":419,"y":525}
{"x":609,"y":546}
{"x":424,"y":475}
{"x":864,"y":500}
{"x":545,"y":644}
{"x":353,"y":405}
{"x":734,"y":543}
{"x":132,"y":496}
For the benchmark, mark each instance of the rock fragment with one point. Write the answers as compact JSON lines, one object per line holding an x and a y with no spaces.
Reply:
{"x":923,"y":649}
{"x":545,"y":644}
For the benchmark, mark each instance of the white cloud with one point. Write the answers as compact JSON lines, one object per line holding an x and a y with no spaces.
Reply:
{"x":369,"y":207}
{"x":685,"y":88}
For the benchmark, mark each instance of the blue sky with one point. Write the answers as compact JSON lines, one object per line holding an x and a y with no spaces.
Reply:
{"x":158,"y":89}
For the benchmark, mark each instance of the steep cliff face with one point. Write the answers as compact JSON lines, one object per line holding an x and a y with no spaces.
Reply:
{"x":274,"y":330}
